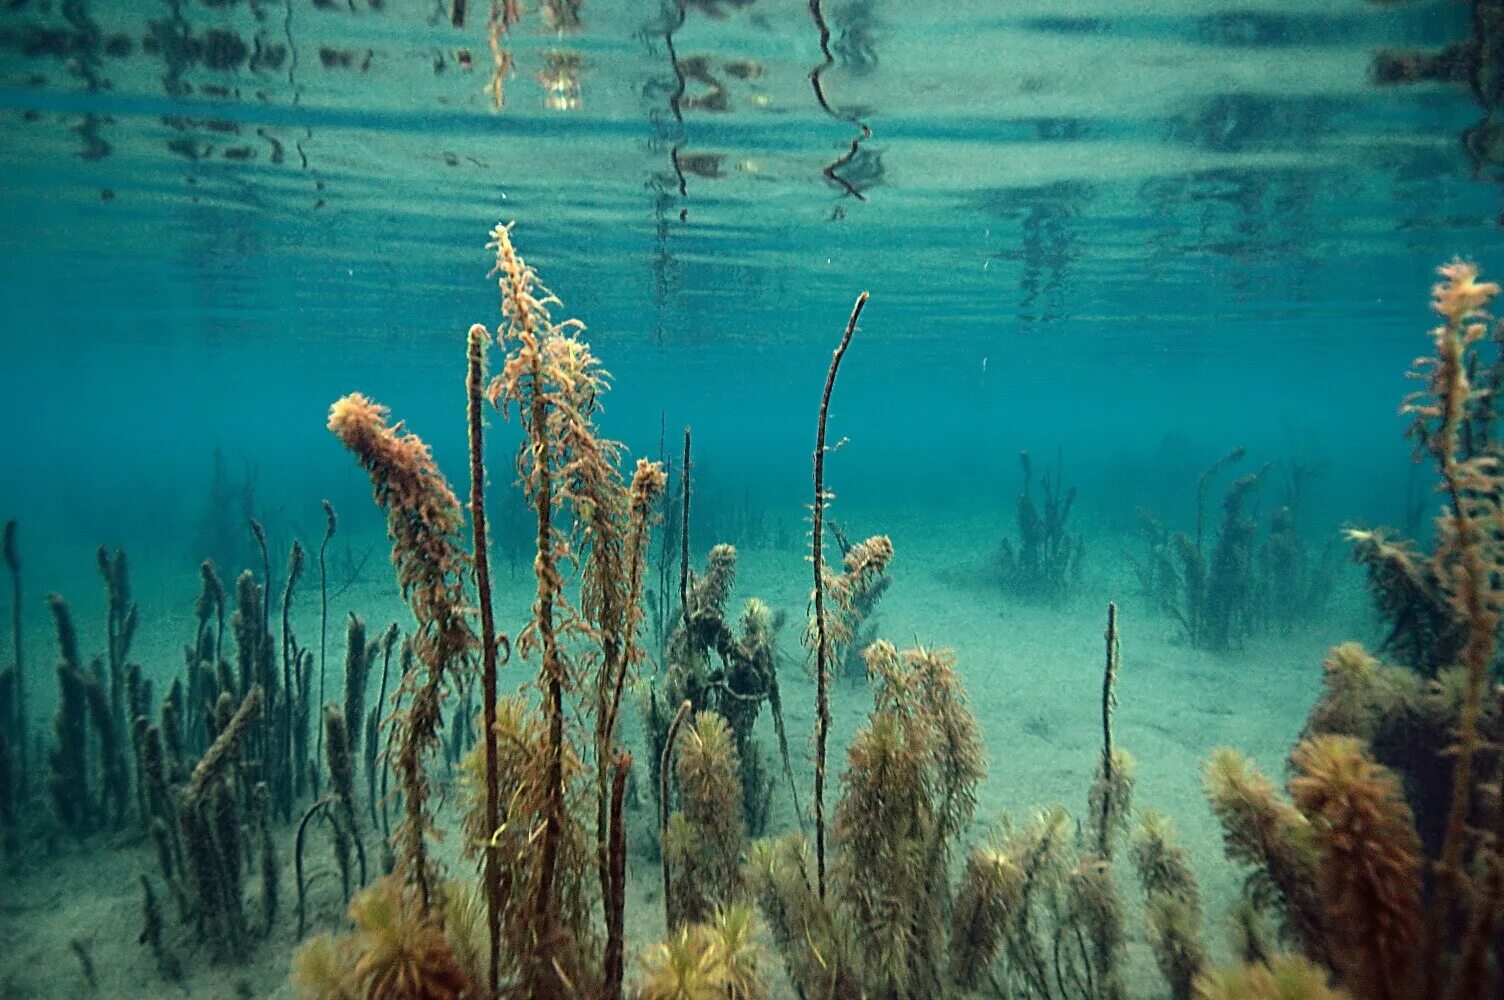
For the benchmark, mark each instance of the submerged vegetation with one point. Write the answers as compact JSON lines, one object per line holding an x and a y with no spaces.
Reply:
{"x":1247,"y":575}
{"x":1375,"y":874}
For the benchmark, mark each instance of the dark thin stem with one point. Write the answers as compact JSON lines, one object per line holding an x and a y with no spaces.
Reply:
{"x":379,"y":758}
{"x":684,"y":535}
{"x":297,"y":854}
{"x":822,"y":641}
{"x":329,"y":526}
{"x":664,"y":773}
{"x":475,"y":379}
{"x":13,"y":563}
{"x":1109,"y":701}
{"x":617,"y":904}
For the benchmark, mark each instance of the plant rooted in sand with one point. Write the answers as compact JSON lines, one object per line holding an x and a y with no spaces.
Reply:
{"x":424,"y":524}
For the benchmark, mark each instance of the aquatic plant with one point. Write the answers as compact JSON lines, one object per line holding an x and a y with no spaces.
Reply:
{"x":713,"y":960}
{"x":908,"y":792}
{"x":331,"y":525}
{"x":230,"y":504}
{"x":477,"y":342}
{"x":527,"y":964}
{"x":1055,"y":922}
{"x":704,"y":842}
{"x":1282,"y":977}
{"x":209,"y":825}
{"x":732,"y":671}
{"x":342,"y":788}
{"x":1225,"y":588}
{"x":13,"y":691}
{"x":1425,"y":631}
{"x":375,"y":757}
{"x":151,"y":934}
{"x":853,"y":594}
{"x":571,"y":478}
{"x":1345,"y":861}
{"x":120,"y":629}
{"x":68,"y":777}
{"x":1369,"y":878}
{"x":423,"y":523}
{"x":397,"y":952}
{"x":1173,"y":910}
{"x":293,"y":704}
{"x":866,"y":582}
{"x":1293,"y":587}
{"x":1045,"y":562}
{"x":822,"y":641}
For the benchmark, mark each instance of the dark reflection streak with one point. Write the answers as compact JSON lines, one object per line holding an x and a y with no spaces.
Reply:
{"x":292,"y":83}
{"x":676,"y":99}
{"x":85,"y":66}
{"x":831,"y":168}
{"x":457,"y":13}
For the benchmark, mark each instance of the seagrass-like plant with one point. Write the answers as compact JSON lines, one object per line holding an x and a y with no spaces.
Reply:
{"x":424,"y":524}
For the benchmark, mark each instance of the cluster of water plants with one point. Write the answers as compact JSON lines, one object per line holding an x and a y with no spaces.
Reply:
{"x":1377,"y":873}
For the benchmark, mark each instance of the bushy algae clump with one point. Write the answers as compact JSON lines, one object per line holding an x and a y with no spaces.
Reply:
{"x":1248,"y":574}
{"x":1383,"y":864}
{"x":539,"y":890}
{"x":1375,"y":873}
{"x":1044,"y":562}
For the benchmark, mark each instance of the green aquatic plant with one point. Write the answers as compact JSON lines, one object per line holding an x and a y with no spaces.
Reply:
{"x":718,"y":959}
{"x":1045,"y":562}
{"x":713,"y":665}
{"x":1282,"y":977}
{"x":1173,"y":909}
{"x":1226,"y":585}
{"x":704,"y":843}
{"x":17,"y":718}
{"x":908,"y":793}
{"x":209,"y":826}
{"x":331,"y":525}
{"x":68,"y":770}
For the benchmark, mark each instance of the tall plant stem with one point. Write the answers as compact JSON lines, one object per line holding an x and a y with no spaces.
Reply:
{"x":619,"y":652}
{"x":1471,"y":589}
{"x":822,"y":641}
{"x":330,"y":524}
{"x":684,"y":536}
{"x":616,"y":905}
{"x":13,"y":563}
{"x":665,"y":765}
{"x":475,"y":378}
{"x":1109,"y":702}
{"x":552,"y":667}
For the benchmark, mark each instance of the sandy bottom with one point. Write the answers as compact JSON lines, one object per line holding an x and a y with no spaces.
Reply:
{"x":1034,"y":675}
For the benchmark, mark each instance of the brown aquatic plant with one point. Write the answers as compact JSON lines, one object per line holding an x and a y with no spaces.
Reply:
{"x":1467,"y":560}
{"x":1369,"y":876}
{"x":476,"y":344}
{"x":822,"y":639}
{"x":424,"y":524}
{"x":588,"y":518}
{"x":1264,"y":831}
{"x":398,"y":951}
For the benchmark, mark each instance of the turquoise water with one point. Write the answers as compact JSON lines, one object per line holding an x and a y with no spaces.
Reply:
{"x":1133,"y":237}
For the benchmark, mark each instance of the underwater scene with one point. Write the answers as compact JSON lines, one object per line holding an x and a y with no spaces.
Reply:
{"x":741,"y":499}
